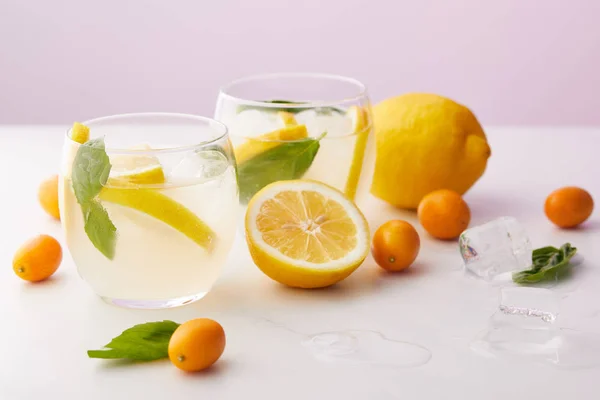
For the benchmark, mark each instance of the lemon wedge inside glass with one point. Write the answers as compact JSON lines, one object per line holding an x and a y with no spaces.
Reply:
{"x":138,"y":169}
{"x":257,"y":145}
{"x":305,"y":234}
{"x":130,"y":185}
{"x":80,"y":133}
{"x":361,"y":128}
{"x":163,"y":208}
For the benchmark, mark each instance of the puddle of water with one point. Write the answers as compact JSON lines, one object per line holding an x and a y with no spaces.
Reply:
{"x":563,"y":348}
{"x":365,"y":347}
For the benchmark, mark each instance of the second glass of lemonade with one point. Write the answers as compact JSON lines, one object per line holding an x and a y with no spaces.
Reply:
{"x":148,"y":205}
{"x":297,"y":125}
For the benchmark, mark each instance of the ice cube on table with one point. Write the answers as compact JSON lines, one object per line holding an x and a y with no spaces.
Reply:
{"x":199,"y":165}
{"x":495,"y":248}
{"x":529,"y":302}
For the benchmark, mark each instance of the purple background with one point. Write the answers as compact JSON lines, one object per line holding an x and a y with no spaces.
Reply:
{"x":512,"y":61}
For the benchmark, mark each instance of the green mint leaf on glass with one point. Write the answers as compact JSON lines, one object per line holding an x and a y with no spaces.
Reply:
{"x":289,"y":160}
{"x":90,"y":171}
{"x":548,"y":263}
{"x":143,"y":342}
{"x":99,"y":228}
{"x":293,"y":110}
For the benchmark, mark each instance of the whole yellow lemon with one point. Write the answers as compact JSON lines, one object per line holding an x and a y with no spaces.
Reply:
{"x":425,"y":142}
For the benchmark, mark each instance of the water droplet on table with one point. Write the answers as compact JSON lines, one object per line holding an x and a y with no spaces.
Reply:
{"x":365,"y":347}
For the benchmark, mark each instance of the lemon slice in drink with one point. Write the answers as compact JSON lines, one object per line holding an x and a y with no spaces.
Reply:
{"x":139,"y":169}
{"x":163,"y":208}
{"x":288,"y":118}
{"x":305,"y":234}
{"x":149,"y":175}
{"x":255,"y":146}
{"x":361,"y":128}
{"x":124,"y":187}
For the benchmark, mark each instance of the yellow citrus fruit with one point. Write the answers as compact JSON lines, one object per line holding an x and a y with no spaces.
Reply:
{"x":569,"y":206}
{"x":163,"y":208}
{"x":130,"y":171}
{"x":425,"y":142}
{"x":305,"y":234}
{"x":257,"y":145}
{"x":361,"y":128}
{"x":196,"y":344}
{"x":288,"y":118}
{"x":138,"y":169}
{"x":444,"y":214}
{"x":395,"y":245}
{"x":48,"y":196}
{"x":38,"y":258}
{"x":80,"y":133}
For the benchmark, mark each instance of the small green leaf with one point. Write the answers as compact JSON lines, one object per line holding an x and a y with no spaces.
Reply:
{"x":293,"y":110}
{"x":144,"y":342}
{"x":99,"y":228}
{"x":90,"y":171}
{"x":287,"y":161}
{"x":547,"y":262}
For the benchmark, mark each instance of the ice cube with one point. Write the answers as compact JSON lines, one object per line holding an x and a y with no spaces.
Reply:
{"x":251,"y":123}
{"x":332,"y":123}
{"x":199,"y":165}
{"x":495,"y":248}
{"x":529,"y":302}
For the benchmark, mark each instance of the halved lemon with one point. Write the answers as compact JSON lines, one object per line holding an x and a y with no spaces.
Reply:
{"x":305,"y":234}
{"x":361,"y":128}
{"x":259,"y":144}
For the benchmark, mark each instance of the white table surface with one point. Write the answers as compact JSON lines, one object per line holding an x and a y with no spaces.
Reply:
{"x":47,"y":328}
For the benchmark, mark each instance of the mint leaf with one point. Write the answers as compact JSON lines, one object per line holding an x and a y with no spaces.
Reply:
{"x":548,"y":262}
{"x":287,"y":161}
{"x":144,"y":342}
{"x":99,"y":228}
{"x":90,"y":171}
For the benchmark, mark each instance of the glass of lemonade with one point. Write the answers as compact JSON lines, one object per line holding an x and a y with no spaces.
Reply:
{"x":148,"y":205}
{"x":297,"y":125}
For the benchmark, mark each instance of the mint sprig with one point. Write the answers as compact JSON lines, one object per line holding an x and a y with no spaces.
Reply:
{"x":99,"y":228}
{"x":143,"y":342}
{"x":289,"y":160}
{"x":90,"y":171}
{"x":548,"y":262}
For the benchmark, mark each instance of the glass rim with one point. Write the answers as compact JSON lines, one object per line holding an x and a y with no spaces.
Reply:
{"x":362,"y":90}
{"x":116,"y":150}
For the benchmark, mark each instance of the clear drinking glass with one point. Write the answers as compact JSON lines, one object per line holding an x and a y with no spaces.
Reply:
{"x":297,"y":125}
{"x":148,"y":206}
